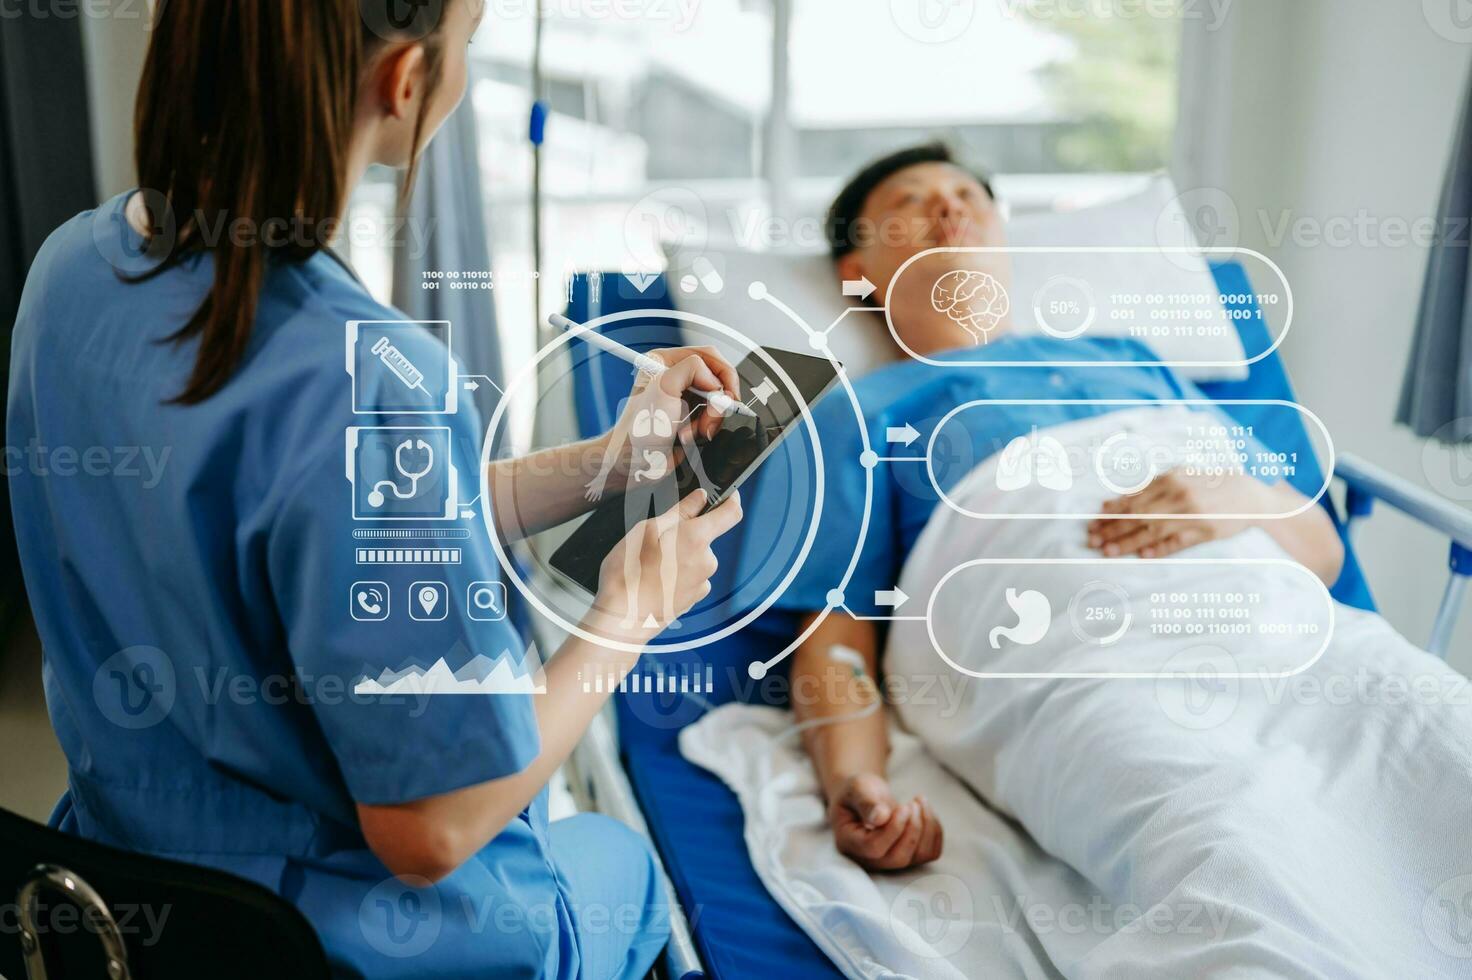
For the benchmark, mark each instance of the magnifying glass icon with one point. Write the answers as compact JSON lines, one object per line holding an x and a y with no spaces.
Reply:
{"x":486,"y":601}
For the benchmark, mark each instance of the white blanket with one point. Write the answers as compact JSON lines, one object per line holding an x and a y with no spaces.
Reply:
{"x":1315,"y":825}
{"x":963,"y":916}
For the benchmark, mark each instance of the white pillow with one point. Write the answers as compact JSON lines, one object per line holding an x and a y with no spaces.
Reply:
{"x":808,"y":284}
{"x":1151,"y":219}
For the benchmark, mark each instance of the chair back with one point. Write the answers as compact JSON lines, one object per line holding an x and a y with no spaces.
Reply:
{"x":82,"y":909}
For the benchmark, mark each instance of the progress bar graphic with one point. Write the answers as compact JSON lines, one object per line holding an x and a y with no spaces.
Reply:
{"x":408,"y":556}
{"x":410,"y":533}
{"x":689,"y":679}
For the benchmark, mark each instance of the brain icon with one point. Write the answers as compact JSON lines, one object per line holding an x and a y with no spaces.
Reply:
{"x":973,"y":299}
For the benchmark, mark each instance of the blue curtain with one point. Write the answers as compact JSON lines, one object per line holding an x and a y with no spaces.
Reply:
{"x":1436,"y":395}
{"x":447,"y":232}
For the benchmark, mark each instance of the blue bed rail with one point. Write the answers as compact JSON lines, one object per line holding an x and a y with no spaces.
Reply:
{"x":1366,"y":483}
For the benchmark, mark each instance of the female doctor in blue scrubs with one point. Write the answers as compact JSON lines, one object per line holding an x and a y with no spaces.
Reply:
{"x":185,"y":517}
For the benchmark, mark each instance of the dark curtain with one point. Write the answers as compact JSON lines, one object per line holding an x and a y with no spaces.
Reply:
{"x":45,"y":178}
{"x":1436,"y":394}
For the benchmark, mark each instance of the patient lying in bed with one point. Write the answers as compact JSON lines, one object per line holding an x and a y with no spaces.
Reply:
{"x":1207,"y":818}
{"x":1318,"y":827}
{"x":894,"y":210}
{"x":1317,"y":815}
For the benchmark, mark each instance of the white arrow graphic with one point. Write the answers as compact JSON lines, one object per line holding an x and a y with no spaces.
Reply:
{"x":904,"y":435}
{"x":890,"y":597}
{"x":473,"y":385}
{"x":860,"y":287}
{"x":642,"y":280}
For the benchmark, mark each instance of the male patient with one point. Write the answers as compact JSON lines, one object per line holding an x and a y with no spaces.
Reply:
{"x":897,"y":207}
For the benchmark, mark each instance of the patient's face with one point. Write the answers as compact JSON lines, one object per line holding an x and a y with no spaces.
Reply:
{"x":929,"y":205}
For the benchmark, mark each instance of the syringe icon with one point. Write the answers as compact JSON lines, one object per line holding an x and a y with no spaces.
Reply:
{"x":400,"y":365}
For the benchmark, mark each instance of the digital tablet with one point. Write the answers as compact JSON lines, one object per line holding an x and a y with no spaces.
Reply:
{"x":728,"y":459}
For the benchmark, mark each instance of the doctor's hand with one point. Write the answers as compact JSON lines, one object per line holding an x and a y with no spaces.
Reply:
{"x":656,"y":414}
{"x":879,"y":832}
{"x":1178,"y":493}
{"x":672,"y":561}
{"x":689,"y":367}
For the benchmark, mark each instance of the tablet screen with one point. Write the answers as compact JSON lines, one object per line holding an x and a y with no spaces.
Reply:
{"x":726,"y":461}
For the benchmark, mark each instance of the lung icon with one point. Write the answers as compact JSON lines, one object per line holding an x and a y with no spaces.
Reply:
{"x":1034,"y":459}
{"x":1034,"y":616}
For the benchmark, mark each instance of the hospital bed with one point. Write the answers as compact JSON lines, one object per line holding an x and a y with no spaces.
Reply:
{"x":732,"y":927}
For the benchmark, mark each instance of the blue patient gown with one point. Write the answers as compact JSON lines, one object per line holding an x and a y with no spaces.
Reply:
{"x":921,"y":395}
{"x":193,"y":573}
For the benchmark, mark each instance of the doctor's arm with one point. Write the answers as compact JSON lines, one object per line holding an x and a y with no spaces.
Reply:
{"x":431,"y":837}
{"x":544,"y":489}
{"x":851,"y":756}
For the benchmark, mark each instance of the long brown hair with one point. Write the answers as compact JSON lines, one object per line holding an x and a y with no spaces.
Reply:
{"x":244,"y":115}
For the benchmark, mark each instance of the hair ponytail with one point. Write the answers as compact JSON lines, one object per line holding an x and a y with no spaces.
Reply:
{"x":244,"y":114}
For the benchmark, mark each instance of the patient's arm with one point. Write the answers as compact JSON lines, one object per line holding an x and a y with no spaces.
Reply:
{"x":1309,"y":537}
{"x":869,"y":824}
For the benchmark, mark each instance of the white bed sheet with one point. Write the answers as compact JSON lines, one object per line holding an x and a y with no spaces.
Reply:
{"x":964,"y":916}
{"x":1319,"y":827}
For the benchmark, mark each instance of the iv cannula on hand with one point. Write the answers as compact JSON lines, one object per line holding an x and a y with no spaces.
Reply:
{"x":719,"y":401}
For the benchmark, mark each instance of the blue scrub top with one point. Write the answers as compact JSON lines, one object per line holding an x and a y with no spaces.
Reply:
{"x":191,"y":570}
{"x":920,"y":395}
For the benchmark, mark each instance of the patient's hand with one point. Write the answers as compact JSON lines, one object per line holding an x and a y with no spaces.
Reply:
{"x":880,"y":833}
{"x":1179,"y":493}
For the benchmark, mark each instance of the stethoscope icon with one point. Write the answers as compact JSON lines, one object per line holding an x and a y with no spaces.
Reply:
{"x":376,"y":497}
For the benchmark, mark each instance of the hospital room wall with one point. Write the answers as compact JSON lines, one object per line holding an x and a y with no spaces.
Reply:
{"x":115,"y":48}
{"x":1343,"y":111}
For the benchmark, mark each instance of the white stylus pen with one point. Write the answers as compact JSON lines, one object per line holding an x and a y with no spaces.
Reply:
{"x":721,"y":402}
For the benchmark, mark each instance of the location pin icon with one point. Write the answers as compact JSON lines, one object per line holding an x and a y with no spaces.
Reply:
{"x":429,"y":597}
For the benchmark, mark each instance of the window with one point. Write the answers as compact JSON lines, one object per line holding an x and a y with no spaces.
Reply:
{"x":654,"y":119}
{"x":663,"y":127}
{"x":1048,"y":99}
{"x":669,"y":120}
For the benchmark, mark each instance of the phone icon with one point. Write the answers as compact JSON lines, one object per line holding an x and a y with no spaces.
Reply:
{"x":369,"y":602}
